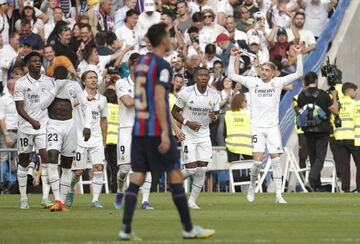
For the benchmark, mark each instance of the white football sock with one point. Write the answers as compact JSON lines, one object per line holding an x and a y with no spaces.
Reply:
{"x":198,"y":183}
{"x":146,"y":187}
{"x":54,"y":180}
{"x":65,"y":183}
{"x":97,"y":184}
{"x":74,"y":180}
{"x":254,"y":171}
{"x":277,"y":174}
{"x":22,"y":180}
{"x":187,"y":172}
{"x":121,"y":177}
{"x":45,"y":181}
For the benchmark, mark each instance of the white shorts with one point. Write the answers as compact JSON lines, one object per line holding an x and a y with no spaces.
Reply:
{"x":267,"y":137}
{"x":95,"y":155}
{"x":124,"y":146}
{"x":27,"y":142}
{"x":61,"y":136}
{"x":196,"y":151}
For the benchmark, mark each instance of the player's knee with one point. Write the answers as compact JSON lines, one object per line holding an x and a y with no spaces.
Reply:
{"x":24,"y":159}
{"x":52,"y":156}
{"x":201,"y":170}
{"x":190,"y":171}
{"x":98,"y":167}
{"x":78,"y":172}
{"x":191,"y":165}
{"x":124,"y":168}
{"x":202,"y":164}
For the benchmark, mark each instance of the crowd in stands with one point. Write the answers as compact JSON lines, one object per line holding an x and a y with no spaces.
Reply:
{"x":107,"y":36}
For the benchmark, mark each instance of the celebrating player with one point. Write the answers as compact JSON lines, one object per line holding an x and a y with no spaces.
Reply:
{"x":61,"y":132}
{"x":28,"y":93}
{"x":152,"y":147}
{"x":92,"y":149}
{"x":264,"y":111}
{"x":125,"y":93}
{"x":193,"y":108}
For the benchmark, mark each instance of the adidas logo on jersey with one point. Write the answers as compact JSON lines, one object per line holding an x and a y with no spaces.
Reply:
{"x":28,"y":89}
{"x":191,"y":102}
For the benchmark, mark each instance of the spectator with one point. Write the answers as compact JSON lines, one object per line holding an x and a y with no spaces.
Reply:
{"x":27,"y":36}
{"x":234,"y":34}
{"x":53,"y":38}
{"x":100,"y":17}
{"x":184,"y":20}
{"x":211,"y":29}
{"x":198,"y":6}
{"x":127,"y":33}
{"x":65,"y":46}
{"x":246,"y":22}
{"x":57,"y":15}
{"x":101,"y":47}
{"x":224,"y":9}
{"x":28,"y":12}
{"x":210,"y":55}
{"x":120,"y":14}
{"x":280,"y":15}
{"x":147,"y":18}
{"x":217,"y":75}
{"x":8,"y":55}
{"x":4,"y":29}
{"x":54,"y":61}
{"x":170,"y":7}
{"x":86,"y":36}
{"x":223,"y":41}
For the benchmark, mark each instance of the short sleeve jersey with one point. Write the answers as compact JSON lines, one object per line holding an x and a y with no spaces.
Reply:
{"x":30,"y":91}
{"x":196,"y":107}
{"x":126,"y":115}
{"x":151,"y":70}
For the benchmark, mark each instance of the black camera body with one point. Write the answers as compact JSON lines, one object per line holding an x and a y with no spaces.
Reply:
{"x":332,"y":74}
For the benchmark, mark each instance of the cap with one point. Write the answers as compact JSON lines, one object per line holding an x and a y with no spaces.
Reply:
{"x":281,"y":31}
{"x":28,"y":3}
{"x":254,"y":40}
{"x":222,"y":37}
{"x":149,"y":6}
{"x":3,"y":2}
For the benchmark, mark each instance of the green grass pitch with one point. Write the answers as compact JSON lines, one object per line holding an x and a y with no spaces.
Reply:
{"x":308,"y":218}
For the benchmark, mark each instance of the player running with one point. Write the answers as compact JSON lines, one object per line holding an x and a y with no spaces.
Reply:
{"x":153,"y":148}
{"x":195,"y":106}
{"x":28,"y":93}
{"x":125,"y":94}
{"x":264,"y":111}
{"x":61,"y":132}
{"x":93,"y":149}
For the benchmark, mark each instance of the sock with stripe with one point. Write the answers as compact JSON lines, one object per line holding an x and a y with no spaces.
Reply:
{"x":74,"y":180}
{"x":130,"y":205}
{"x":179,"y":198}
{"x":22,"y":180}
{"x":254,"y":171}
{"x":277,"y":174}
{"x":97,"y":184}
{"x":54,"y":180}
{"x":65,"y":183}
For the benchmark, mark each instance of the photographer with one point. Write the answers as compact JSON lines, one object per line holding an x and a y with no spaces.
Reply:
{"x":316,"y":134}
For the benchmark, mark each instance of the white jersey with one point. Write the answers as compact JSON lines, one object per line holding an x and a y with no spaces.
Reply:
{"x":99,"y":109}
{"x":31,"y":91}
{"x":126,"y":115}
{"x":196,"y":107}
{"x":265,"y":97}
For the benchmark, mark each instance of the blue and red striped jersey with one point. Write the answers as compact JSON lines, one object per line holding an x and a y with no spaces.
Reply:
{"x":150,"y":70}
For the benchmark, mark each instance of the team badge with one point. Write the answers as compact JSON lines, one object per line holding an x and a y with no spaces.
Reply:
{"x":43,"y":90}
{"x":164,"y":75}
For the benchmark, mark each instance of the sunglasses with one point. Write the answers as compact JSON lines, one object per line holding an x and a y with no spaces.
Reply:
{"x":207,"y":16}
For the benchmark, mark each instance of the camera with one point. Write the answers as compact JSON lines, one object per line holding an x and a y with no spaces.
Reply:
{"x":332,"y":74}
{"x":195,"y":39}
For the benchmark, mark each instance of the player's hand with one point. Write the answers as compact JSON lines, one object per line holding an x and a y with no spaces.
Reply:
{"x":195,"y":126}
{"x":36,"y":181}
{"x":35,"y":124}
{"x":8,"y":140}
{"x":234,"y":51}
{"x":212,"y":115}
{"x":165,"y":143}
{"x":179,"y":134}
{"x":298,"y":49}
{"x":86,"y":134}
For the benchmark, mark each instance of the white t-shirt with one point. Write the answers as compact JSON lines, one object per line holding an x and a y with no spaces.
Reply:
{"x":265,"y":97}
{"x":128,"y":37}
{"x":30,"y":91}
{"x":306,"y":36}
{"x":8,"y":111}
{"x":196,"y":107}
{"x":35,"y":27}
{"x":316,"y":16}
{"x":99,"y":110}
{"x":126,"y":115}
{"x":145,"y":21}
{"x":8,"y":55}
{"x":99,"y":68}
{"x":225,"y":7}
{"x":240,"y":35}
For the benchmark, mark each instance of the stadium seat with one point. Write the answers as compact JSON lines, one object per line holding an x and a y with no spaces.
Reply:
{"x":329,"y":165}
{"x":239,"y":165}
{"x":89,"y":182}
{"x":292,"y":166}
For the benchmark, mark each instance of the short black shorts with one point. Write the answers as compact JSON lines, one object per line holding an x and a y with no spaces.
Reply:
{"x":145,"y":155}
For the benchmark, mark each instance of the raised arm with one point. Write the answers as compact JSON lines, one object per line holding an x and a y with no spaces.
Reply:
{"x":243,"y":80}
{"x":299,"y":69}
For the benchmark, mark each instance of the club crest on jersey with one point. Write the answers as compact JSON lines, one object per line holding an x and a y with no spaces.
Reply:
{"x":72,"y":93}
{"x":43,"y":90}
{"x":164,"y":75}
{"x":272,"y":84}
{"x":99,"y":107}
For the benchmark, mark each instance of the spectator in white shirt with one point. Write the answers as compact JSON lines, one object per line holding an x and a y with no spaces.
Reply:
{"x":120,"y":14}
{"x":234,"y":34}
{"x":8,"y":55}
{"x":211,"y":29}
{"x":57,"y":15}
{"x":127,"y":33}
{"x":4,"y":24}
{"x":224,"y":9}
{"x":148,"y":18}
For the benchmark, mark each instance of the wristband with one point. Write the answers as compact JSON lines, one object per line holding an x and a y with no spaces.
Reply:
{"x":184,"y":121}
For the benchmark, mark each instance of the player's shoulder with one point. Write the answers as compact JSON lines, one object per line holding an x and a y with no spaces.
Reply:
{"x":187,"y":90}
{"x":46,"y":78}
{"x":212,"y":91}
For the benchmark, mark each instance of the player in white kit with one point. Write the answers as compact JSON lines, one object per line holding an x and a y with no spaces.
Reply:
{"x":61,"y":132}
{"x":194,"y":108}
{"x":28,"y":93}
{"x":93,"y":149}
{"x":125,"y":94}
{"x":264,"y":117}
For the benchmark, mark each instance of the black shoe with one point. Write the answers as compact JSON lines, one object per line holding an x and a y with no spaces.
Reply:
{"x":309,"y":188}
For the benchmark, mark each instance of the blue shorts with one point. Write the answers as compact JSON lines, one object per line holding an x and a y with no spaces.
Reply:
{"x":145,"y":155}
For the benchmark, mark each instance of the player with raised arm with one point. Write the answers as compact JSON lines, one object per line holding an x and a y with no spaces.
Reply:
{"x":195,"y":106}
{"x":125,"y":94}
{"x":61,"y":132}
{"x":264,"y":117}
{"x":93,"y":149}
{"x":28,"y":93}
{"x":153,"y":148}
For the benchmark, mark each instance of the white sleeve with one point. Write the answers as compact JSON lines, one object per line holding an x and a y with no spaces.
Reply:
{"x":104,"y":111}
{"x":243,"y":80}
{"x":286,"y":80}
{"x":85,"y":105}
{"x":2,"y":108}
{"x":104,"y":60}
{"x":221,"y":7}
{"x":121,"y":89}
{"x":181,"y":99}
{"x":19,"y":92}
{"x":216,"y":104}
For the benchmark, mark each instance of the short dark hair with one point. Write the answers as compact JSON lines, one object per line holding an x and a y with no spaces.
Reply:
{"x":100,"y":38}
{"x":30,"y":55}
{"x":181,"y":1}
{"x":218,"y":62}
{"x":88,"y":51}
{"x":25,"y":22}
{"x":83,"y":76}
{"x":310,"y":78}
{"x":131,"y":12}
{"x":179,"y":75}
{"x":60,"y":73}
{"x":83,"y":25}
{"x":197,"y":17}
{"x":111,"y":37}
{"x":57,"y":7}
{"x":348,"y":85}
{"x":193,"y":29}
{"x":156,"y":33}
{"x":48,"y":45}
{"x":299,"y":12}
{"x":210,"y":48}
{"x":166,"y":12}
{"x":197,"y":70}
